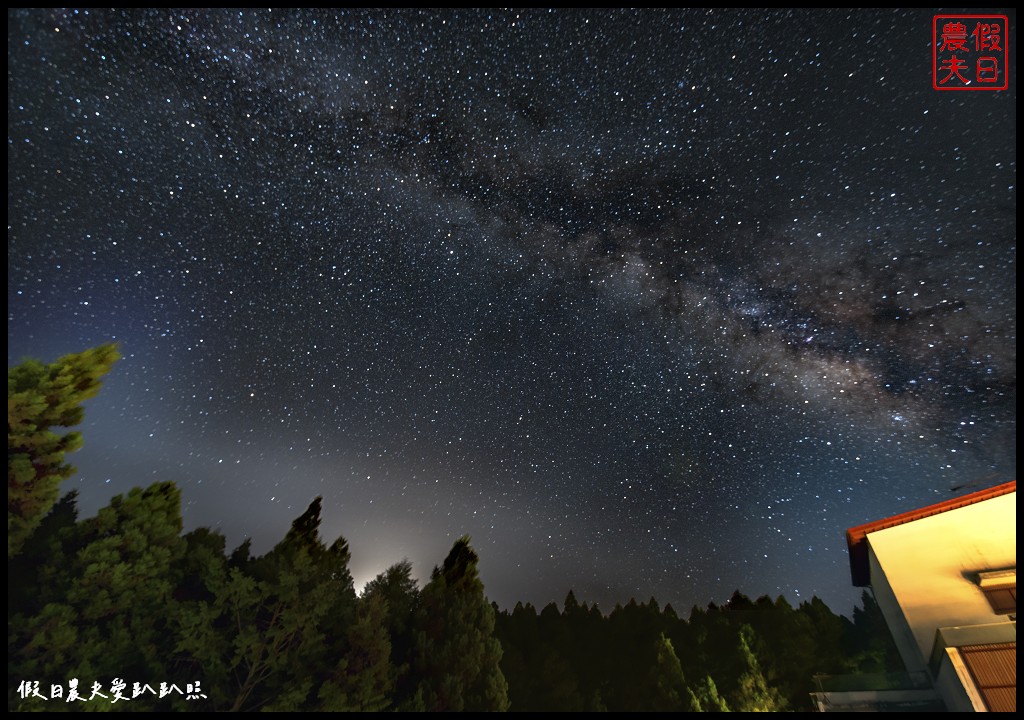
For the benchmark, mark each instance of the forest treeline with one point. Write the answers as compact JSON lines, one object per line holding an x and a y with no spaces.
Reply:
{"x":746,"y":655}
{"x":125,"y":611}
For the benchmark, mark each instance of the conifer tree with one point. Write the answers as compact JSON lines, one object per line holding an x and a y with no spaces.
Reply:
{"x":457,"y":655}
{"x":705,"y":697}
{"x":41,"y":397}
{"x":363,"y":679}
{"x":869,"y":643}
{"x":116,"y":613}
{"x":666,"y":682}
{"x":753,"y":693}
{"x":275,"y":622}
{"x":571,"y":605}
{"x":396,"y":590}
{"x":40,"y":573}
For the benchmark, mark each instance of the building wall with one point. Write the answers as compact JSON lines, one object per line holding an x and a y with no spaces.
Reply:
{"x":955,"y":686}
{"x":899,"y":628}
{"x":928,"y":567}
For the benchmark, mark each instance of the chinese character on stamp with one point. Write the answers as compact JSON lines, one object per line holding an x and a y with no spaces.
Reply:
{"x":970,"y":52}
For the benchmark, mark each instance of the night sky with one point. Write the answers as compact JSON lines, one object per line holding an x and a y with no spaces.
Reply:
{"x":647,"y":303}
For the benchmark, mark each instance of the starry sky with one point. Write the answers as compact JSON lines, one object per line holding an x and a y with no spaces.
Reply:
{"x":647,"y":303}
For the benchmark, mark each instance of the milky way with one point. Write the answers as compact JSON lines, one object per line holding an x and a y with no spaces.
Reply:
{"x":648,"y":303}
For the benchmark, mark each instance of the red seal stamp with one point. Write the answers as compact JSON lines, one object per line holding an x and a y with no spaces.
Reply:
{"x":970,"y":52}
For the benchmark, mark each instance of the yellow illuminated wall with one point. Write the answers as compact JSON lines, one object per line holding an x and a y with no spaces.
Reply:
{"x":929,"y":568}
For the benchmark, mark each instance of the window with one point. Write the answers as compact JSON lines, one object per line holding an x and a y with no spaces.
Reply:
{"x":1000,"y":588}
{"x":993,"y":669}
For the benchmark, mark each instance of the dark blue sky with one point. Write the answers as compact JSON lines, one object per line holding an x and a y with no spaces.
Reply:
{"x":648,"y":303}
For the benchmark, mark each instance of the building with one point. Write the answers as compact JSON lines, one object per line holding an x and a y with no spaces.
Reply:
{"x":945,"y":577}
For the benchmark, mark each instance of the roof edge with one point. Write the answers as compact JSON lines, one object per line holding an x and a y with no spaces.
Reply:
{"x":856,"y":537}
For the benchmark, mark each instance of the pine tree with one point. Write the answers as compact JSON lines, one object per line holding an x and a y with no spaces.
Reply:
{"x":40,"y":397}
{"x":457,"y":658}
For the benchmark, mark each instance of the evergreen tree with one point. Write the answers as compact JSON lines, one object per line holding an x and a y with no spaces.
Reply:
{"x":275,"y":622}
{"x":795,"y":646}
{"x":41,"y":397}
{"x":41,"y":572}
{"x":705,"y":698}
{"x":457,"y":656}
{"x":362,"y":680}
{"x":670,"y":614}
{"x":521,"y":642}
{"x":570,"y":605}
{"x":829,"y":632}
{"x":668,"y":687}
{"x":396,"y":590}
{"x":869,"y":644}
{"x":115,"y":615}
{"x":753,"y":693}
{"x":630,"y":655}
{"x":204,"y":559}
